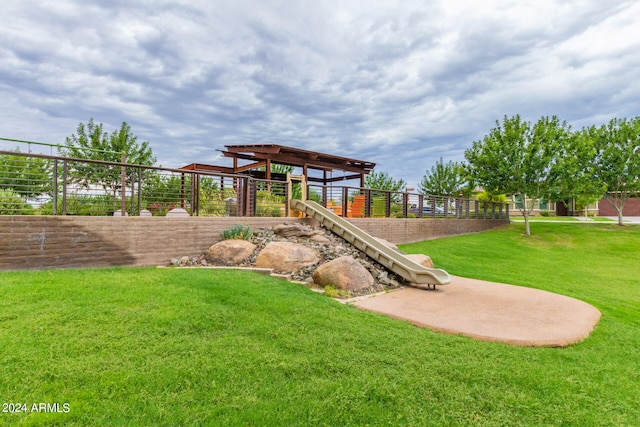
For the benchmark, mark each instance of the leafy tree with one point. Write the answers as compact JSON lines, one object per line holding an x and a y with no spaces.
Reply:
{"x":617,"y":160}
{"x":446,"y":179}
{"x":90,"y":141}
{"x":384,"y":181}
{"x":516,"y":158}
{"x":26,"y":176}
{"x":486,"y":196}
{"x":574,"y":171}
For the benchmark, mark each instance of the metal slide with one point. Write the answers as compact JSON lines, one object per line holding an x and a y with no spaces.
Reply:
{"x":391,"y":259}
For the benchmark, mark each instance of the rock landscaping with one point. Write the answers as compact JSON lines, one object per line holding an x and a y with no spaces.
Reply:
{"x":311,"y":255}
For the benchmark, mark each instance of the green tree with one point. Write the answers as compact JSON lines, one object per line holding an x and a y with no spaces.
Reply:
{"x":617,"y":160}
{"x":446,"y":179}
{"x":485,"y":196}
{"x":516,"y":158}
{"x":574,"y":171}
{"x":384,"y":181}
{"x":25,"y":175}
{"x":91,"y":141}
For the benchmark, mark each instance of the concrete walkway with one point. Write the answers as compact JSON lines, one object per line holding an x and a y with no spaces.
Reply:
{"x":491,"y":312}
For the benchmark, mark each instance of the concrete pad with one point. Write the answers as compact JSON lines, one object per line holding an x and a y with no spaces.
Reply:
{"x":491,"y":312}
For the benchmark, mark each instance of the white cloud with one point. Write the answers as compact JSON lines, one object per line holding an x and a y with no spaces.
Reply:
{"x":397,"y":83}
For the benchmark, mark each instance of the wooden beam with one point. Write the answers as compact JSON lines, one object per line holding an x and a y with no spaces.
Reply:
{"x":254,"y":165}
{"x":343,"y":178}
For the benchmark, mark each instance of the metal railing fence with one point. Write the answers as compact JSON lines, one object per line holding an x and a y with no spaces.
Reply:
{"x":357,"y":202}
{"x":40,"y":184}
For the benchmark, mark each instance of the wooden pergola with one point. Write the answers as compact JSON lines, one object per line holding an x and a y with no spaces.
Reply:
{"x":263,"y":155}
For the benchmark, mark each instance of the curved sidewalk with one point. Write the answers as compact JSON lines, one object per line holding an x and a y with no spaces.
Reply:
{"x":491,"y":312}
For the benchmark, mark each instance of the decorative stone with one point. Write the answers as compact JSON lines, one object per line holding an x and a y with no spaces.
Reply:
{"x":344,"y":273}
{"x":286,"y":256}
{"x":294,"y":230}
{"x":319,"y":238}
{"x":421,"y":259}
{"x":233,"y":251}
{"x":145,"y":212}
{"x":178,"y":212}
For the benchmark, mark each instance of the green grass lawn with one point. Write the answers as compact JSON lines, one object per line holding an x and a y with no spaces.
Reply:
{"x":545,"y":218}
{"x":560,"y":218}
{"x":210,"y":347}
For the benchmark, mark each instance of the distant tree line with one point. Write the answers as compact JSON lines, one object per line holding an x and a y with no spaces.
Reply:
{"x":546,"y":160}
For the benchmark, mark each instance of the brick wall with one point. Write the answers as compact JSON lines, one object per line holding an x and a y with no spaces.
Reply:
{"x":631,"y":208}
{"x":37,"y":242}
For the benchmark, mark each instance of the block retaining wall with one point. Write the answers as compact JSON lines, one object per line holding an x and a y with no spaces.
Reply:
{"x":40,"y":242}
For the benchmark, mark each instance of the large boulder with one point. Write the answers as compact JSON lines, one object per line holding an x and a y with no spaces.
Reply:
{"x":421,"y":259}
{"x":294,"y":230}
{"x":343,"y":273}
{"x":230,"y":252}
{"x":286,"y":256}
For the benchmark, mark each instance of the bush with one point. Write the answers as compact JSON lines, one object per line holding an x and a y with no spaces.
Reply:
{"x":12,"y":204}
{"x":269,"y":204}
{"x":83,"y":205}
{"x":332,"y":292}
{"x":544,"y":213}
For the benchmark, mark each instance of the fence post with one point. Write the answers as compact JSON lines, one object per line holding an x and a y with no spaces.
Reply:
{"x":286,"y":200}
{"x":133,"y":189}
{"x":195,"y":194}
{"x":405,"y":205}
{"x":64,"y":187}
{"x":139,"y":190}
{"x":387,"y":204}
{"x":123,"y":188}
{"x":446,"y":207}
{"x":367,"y":203}
{"x":345,"y":201}
{"x":54,"y":193}
{"x":433,"y":206}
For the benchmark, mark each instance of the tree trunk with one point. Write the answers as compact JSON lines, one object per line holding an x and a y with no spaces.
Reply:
{"x":620,"y":221}
{"x":527,"y":228}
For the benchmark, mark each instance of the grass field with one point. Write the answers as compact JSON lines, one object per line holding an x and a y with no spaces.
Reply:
{"x":561,"y":219}
{"x":203,"y":347}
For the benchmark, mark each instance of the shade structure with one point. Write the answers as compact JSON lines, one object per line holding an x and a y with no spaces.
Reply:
{"x":262,"y":155}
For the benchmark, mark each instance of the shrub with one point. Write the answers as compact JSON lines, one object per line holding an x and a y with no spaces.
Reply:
{"x":238,"y":231}
{"x":12,"y":204}
{"x":332,"y":292}
{"x":544,"y":213}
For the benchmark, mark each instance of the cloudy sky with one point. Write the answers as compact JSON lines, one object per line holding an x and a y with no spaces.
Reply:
{"x":398,"y":83}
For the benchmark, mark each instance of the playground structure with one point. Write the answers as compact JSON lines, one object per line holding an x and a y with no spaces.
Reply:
{"x":372,"y":247}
